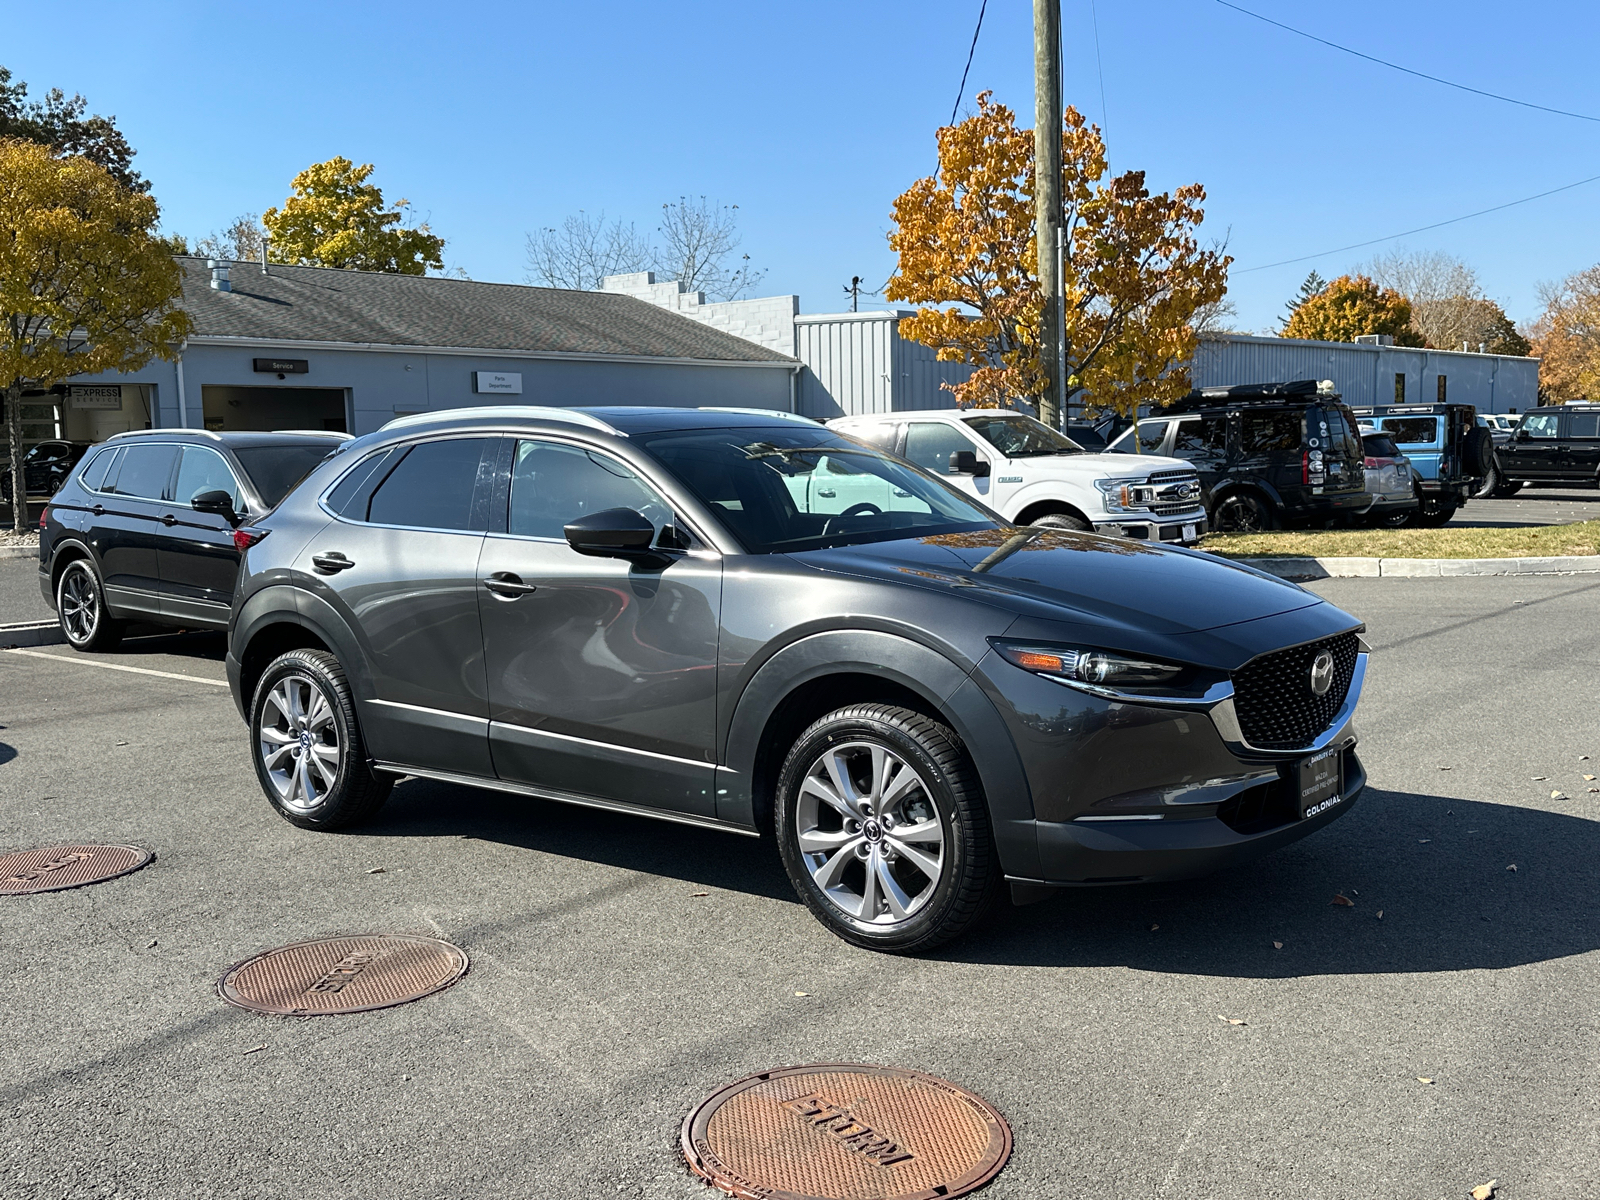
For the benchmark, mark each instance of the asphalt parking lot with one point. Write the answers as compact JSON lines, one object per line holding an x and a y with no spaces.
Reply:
{"x":606,"y":997}
{"x":1532,"y":506}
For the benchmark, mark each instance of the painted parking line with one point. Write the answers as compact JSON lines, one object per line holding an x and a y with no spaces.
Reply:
{"x":105,"y":666}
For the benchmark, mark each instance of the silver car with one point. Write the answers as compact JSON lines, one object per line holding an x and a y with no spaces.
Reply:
{"x":1391,"y":481}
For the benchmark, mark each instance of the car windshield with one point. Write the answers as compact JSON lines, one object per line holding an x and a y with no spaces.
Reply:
{"x":1020,"y":436}
{"x":276,"y":469}
{"x":787,"y":489}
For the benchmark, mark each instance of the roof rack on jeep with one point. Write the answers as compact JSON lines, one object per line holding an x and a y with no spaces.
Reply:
{"x":525,"y":412}
{"x":168,"y":432}
{"x":1256,"y":393}
{"x":759,"y":412}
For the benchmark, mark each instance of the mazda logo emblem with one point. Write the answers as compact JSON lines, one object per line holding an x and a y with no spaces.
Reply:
{"x":1321,"y":674}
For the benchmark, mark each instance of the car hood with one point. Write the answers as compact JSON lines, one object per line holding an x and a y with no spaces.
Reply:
{"x":1107,"y":583}
{"x":1117,"y":465}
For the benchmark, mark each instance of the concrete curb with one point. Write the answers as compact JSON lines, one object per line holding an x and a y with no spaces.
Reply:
{"x":19,"y":551}
{"x":31,"y":633}
{"x":1420,"y":568}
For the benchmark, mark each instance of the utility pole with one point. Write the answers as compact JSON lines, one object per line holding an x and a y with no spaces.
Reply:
{"x":1047,"y":197}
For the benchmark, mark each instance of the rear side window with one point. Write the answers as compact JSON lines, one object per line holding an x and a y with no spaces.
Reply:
{"x":145,"y":471}
{"x":1584,"y":425}
{"x":350,"y":498}
{"x":94,"y":475}
{"x":1270,"y":432}
{"x":1412,"y":431}
{"x":433,"y":486}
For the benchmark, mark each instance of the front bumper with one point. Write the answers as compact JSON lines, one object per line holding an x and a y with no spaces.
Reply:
{"x":1185,"y":529}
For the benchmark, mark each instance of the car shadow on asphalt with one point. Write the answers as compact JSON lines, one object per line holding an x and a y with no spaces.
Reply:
{"x":1438,"y":869}
{"x":154,"y":639}
{"x":725,"y":861}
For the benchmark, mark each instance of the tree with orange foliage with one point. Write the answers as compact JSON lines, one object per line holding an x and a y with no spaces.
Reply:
{"x":1134,"y":273}
{"x":1567,"y":339}
{"x":1348,"y":308}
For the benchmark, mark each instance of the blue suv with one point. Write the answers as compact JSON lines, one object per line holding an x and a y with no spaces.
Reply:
{"x":1450,"y":451}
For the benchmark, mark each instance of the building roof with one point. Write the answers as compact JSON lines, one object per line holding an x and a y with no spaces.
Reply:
{"x":319,"y":304}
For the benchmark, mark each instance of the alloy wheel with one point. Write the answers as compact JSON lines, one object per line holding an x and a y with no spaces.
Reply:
{"x":869,"y":831}
{"x":1239,"y":514}
{"x":298,"y":741}
{"x":78,"y":604}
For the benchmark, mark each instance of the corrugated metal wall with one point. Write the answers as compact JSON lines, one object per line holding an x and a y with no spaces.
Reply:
{"x":858,"y":363}
{"x":1366,"y":374}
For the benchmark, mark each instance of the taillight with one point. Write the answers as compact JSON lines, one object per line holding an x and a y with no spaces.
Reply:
{"x":243,"y":539}
{"x":42,"y":515}
{"x":1305,"y":466}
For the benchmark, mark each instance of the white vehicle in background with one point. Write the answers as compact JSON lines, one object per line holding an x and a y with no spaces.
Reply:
{"x":1024,"y":470}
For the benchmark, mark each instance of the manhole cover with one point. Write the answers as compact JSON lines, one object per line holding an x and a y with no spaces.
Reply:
{"x":343,"y":975}
{"x":837,"y":1131}
{"x":58,"y":867}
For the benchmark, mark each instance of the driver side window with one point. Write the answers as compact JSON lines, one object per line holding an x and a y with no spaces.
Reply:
{"x":553,"y":483}
{"x":930,"y":444}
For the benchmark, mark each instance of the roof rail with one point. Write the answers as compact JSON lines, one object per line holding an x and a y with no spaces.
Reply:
{"x":759,"y":412}
{"x":333,"y":433}
{"x":128,"y":433}
{"x":525,"y":412}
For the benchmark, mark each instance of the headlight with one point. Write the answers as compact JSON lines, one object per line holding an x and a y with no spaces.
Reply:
{"x":1125,"y":495}
{"x":1087,"y":666}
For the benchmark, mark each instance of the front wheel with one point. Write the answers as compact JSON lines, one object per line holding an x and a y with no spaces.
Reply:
{"x":81,"y":609}
{"x":307,"y":746}
{"x":883,"y":829}
{"x":1063,"y":521}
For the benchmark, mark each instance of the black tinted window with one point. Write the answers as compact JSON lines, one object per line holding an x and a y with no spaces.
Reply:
{"x":349,"y":499}
{"x":94,"y":475}
{"x":1208,"y":434}
{"x":1270,"y":432}
{"x":553,"y":483}
{"x":432,"y":487}
{"x":274,"y":470}
{"x":1375,"y":445}
{"x":1583,"y":425}
{"x":145,"y":471}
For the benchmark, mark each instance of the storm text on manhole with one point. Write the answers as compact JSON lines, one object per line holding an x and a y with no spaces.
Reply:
{"x":343,"y":975}
{"x":837,"y":1131}
{"x":55,"y":868}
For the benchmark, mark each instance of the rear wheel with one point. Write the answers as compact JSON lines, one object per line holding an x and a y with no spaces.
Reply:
{"x":307,"y":746}
{"x":81,"y":609}
{"x":1243,"y":512}
{"x":883,"y":829}
{"x":1433,"y":512}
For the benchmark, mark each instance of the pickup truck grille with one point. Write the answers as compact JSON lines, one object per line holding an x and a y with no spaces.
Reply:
{"x":1272,"y":694}
{"x":1172,"y":510}
{"x":1167,"y":486}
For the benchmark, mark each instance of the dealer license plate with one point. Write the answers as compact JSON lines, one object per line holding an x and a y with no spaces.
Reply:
{"x":1321,"y":782}
{"x":1188,"y":533}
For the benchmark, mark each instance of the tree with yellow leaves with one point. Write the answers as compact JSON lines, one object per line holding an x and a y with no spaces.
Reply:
{"x":335,"y":218}
{"x":1349,"y":307}
{"x":1134,"y":274}
{"x":1567,"y":339}
{"x":86,"y":285}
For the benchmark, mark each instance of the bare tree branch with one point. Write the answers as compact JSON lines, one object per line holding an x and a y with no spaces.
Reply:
{"x":584,"y":251}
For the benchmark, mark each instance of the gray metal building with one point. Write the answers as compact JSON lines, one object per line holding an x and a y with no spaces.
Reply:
{"x":1370,"y":373}
{"x":310,"y":348}
{"x":859,"y":363}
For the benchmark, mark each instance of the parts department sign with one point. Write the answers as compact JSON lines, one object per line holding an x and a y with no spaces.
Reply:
{"x":82,"y":396}
{"x":500,"y":383}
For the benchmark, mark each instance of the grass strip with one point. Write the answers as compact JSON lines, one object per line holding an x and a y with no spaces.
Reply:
{"x":1531,"y":541}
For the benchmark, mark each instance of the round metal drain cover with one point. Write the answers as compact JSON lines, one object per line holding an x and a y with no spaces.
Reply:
{"x":343,"y":975}
{"x":838,"y":1131}
{"x":58,"y":867}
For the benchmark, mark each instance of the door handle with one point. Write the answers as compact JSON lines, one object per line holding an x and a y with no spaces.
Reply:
{"x":508,"y":586}
{"x":168,"y":519}
{"x":99,"y":510}
{"x":828,"y":492}
{"x":330,"y":563}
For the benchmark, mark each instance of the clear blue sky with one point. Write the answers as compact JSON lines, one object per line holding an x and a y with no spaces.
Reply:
{"x":496,"y":119}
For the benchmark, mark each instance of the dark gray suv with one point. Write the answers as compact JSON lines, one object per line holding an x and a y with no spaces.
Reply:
{"x":633,"y":609}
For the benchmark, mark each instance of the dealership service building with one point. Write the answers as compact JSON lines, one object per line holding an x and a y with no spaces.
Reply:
{"x":289,"y":347}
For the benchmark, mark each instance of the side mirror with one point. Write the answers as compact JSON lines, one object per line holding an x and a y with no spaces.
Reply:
{"x":612,"y":533}
{"x":1520,"y":435}
{"x":218,"y":502}
{"x":965,"y":462}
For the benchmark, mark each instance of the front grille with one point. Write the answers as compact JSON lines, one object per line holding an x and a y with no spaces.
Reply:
{"x":1160,"y":477}
{"x":1272,"y":694}
{"x":1172,"y":510}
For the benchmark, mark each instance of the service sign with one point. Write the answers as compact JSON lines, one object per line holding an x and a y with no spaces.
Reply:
{"x":283,"y":366}
{"x":94,"y":396}
{"x":506,"y":383}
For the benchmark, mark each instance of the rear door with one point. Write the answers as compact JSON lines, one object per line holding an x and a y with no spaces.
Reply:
{"x":126,"y":526}
{"x":1582,"y":441}
{"x":1534,"y":451}
{"x":1420,"y":438}
{"x":198,"y":560}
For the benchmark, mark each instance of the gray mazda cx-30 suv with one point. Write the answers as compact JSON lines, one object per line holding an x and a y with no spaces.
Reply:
{"x":633,"y":609}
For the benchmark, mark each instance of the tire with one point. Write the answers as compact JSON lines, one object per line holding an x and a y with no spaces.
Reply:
{"x":81,"y":609}
{"x":1433,"y":513}
{"x":1397,"y":520}
{"x":1492,"y":483}
{"x":303,"y":713}
{"x":1063,"y":521}
{"x":1243,"y":512}
{"x":1477,"y":451}
{"x":841,"y":851}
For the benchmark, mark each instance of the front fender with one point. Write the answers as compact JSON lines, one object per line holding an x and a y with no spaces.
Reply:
{"x":1087,"y":500}
{"x":945,"y":686}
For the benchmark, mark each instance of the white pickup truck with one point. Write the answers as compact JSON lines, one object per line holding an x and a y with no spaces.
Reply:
{"x":1027,"y":472}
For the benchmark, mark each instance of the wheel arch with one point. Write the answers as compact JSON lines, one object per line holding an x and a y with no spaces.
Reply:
{"x":277,"y":619}
{"x":826,"y":671}
{"x":1031,"y":512}
{"x":66,"y":551}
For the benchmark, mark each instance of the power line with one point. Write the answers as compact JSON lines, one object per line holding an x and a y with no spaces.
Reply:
{"x":962,"y":90}
{"x":1099,"y":66}
{"x":1560,"y":112}
{"x":1420,"y":229}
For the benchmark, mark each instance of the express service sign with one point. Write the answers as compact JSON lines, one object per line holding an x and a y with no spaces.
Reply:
{"x":82,"y":396}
